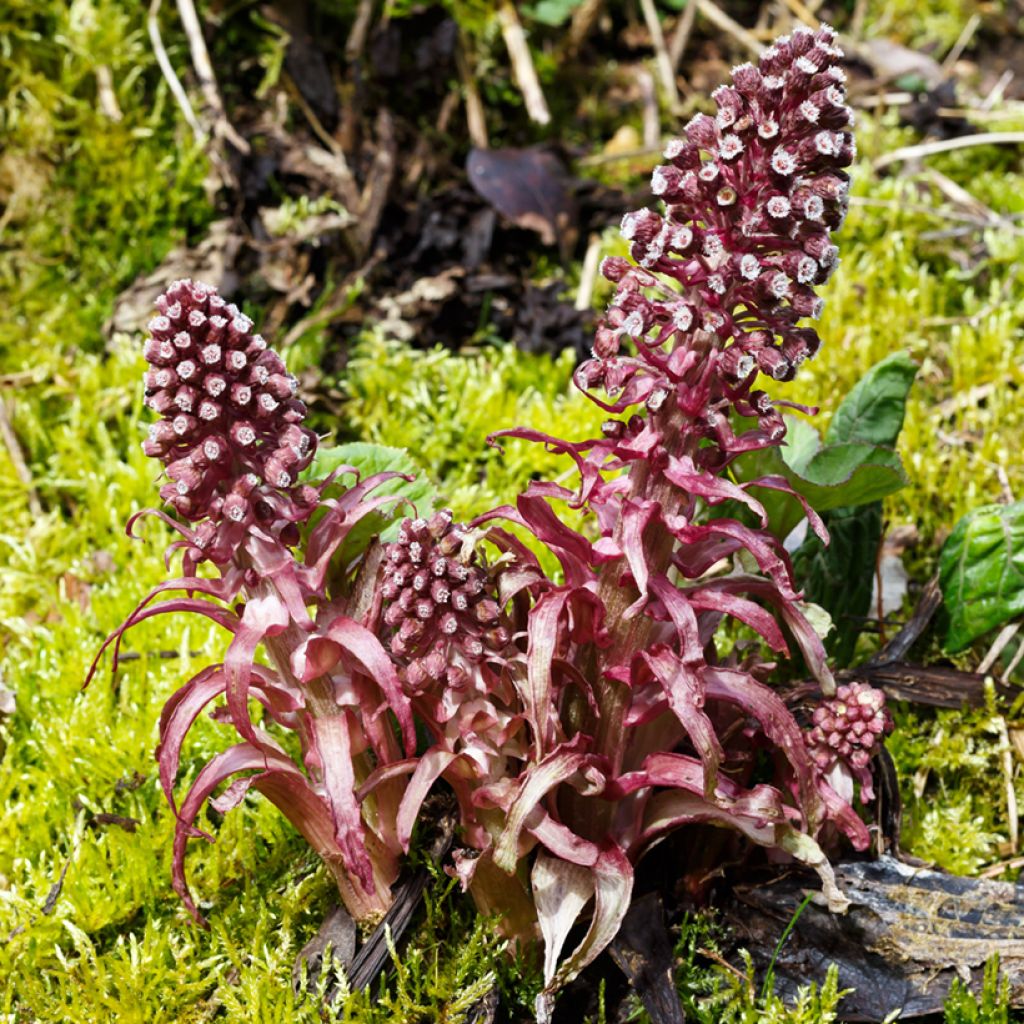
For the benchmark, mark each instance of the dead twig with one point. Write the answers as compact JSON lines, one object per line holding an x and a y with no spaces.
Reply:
{"x":924,"y":149}
{"x":378,"y":181}
{"x":963,"y":41}
{"x":1005,"y":635}
{"x":681,"y":33}
{"x":222,"y":127}
{"x":476,"y":120}
{"x":649,"y":107}
{"x":356,"y":42}
{"x":17,"y":457}
{"x":724,"y":23}
{"x":170,"y":76}
{"x":522,"y":63}
{"x":583,"y":20}
{"x":106,"y":95}
{"x":295,"y":93}
{"x":1006,"y":763}
{"x":803,"y":13}
{"x":1000,"y":866}
{"x":666,"y":69}
{"x":588,"y":273}
{"x":958,"y":195}
{"x":997,"y":90}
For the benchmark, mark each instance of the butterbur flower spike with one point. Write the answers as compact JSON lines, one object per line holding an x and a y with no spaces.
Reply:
{"x":232,"y":441}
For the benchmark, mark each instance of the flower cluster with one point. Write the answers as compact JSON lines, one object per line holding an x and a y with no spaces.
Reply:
{"x":848,"y":730}
{"x":439,"y":601}
{"x":230,"y":434}
{"x":751,"y":197}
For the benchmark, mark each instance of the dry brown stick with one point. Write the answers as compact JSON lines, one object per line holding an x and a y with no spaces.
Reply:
{"x":356,"y":42}
{"x":522,"y":63}
{"x":588,"y":273}
{"x":947,"y":145}
{"x":994,"y":870}
{"x":583,"y":20}
{"x":310,"y":115}
{"x":170,"y":76}
{"x":724,"y":23}
{"x":1006,"y":761}
{"x":222,"y":127}
{"x":378,"y":180}
{"x":1005,"y":635}
{"x":681,"y":33}
{"x":963,"y":41}
{"x":1014,"y":662}
{"x":17,"y":457}
{"x":806,"y":16}
{"x":666,"y":70}
{"x":649,"y":106}
{"x":476,"y":121}
{"x":106,"y":95}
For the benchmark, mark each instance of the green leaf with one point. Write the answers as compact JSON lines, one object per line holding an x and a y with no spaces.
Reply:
{"x":829,"y":477}
{"x":840,"y":577}
{"x":981,"y":572}
{"x":873,"y":411}
{"x":551,"y":12}
{"x":419,"y":493}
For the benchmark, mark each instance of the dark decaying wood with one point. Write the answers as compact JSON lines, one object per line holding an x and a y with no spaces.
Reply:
{"x":908,"y":933}
{"x":643,"y":952}
{"x":364,"y":965}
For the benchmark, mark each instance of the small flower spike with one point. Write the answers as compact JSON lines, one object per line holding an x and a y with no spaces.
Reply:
{"x":848,"y":731}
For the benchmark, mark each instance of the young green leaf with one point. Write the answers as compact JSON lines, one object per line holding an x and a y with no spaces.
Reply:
{"x":873,"y":411}
{"x":981,"y":572}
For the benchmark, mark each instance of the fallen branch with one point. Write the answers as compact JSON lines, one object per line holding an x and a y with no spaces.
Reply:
{"x":947,"y":146}
{"x":522,"y":63}
{"x":222,"y":127}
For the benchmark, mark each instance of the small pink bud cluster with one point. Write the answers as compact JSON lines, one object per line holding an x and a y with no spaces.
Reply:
{"x":440,"y":601}
{"x":849,"y":728}
{"x":231,"y":429}
{"x":751,"y":197}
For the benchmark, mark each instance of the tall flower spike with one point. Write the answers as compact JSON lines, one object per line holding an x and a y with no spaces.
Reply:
{"x":752,"y":196}
{"x":230,"y":435}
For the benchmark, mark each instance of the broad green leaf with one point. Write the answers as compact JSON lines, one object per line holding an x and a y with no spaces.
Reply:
{"x":829,"y":477}
{"x":839,"y":577}
{"x":981,"y":572}
{"x":873,"y":411}
{"x":418,"y":494}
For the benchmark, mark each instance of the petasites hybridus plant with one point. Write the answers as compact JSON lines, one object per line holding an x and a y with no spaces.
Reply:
{"x":577,"y":719}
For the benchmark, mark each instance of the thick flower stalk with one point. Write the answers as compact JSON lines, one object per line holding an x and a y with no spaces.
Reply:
{"x":232,"y":443}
